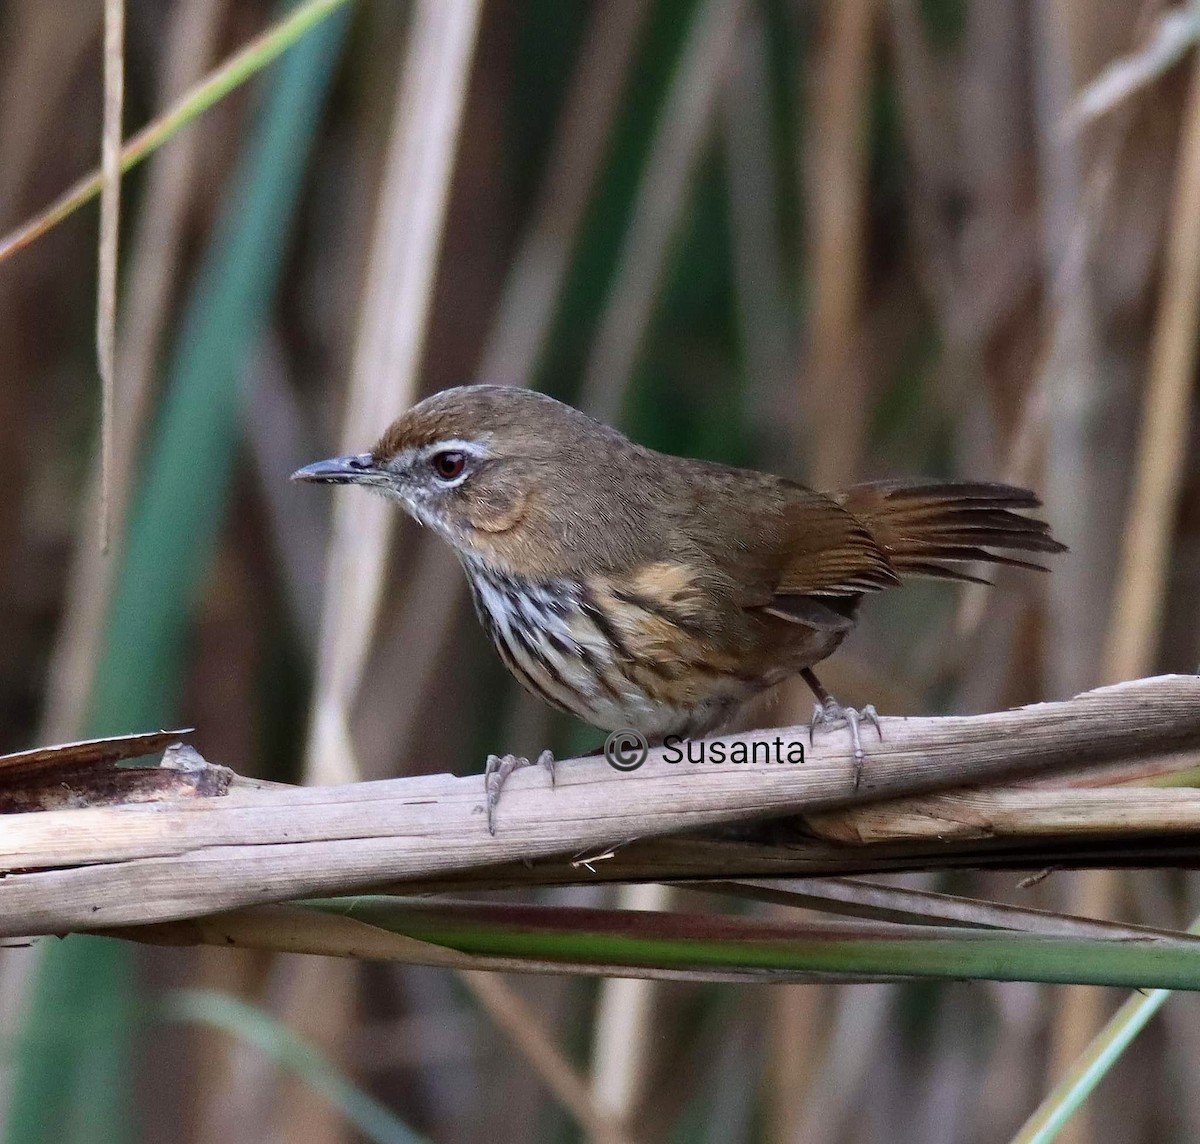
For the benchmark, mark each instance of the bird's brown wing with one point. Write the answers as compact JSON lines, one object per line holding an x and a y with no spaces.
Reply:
{"x":829,"y":559}
{"x":827,"y":551}
{"x":778,"y":546}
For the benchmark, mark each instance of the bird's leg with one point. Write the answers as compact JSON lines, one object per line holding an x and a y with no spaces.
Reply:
{"x":831,"y":714}
{"x":496,"y":772}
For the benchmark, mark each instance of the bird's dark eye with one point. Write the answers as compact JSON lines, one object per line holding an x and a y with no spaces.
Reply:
{"x":448,"y":465}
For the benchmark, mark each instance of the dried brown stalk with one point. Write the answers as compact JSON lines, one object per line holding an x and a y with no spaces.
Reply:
{"x":152,"y":259}
{"x":1136,"y":617}
{"x":114,"y":866}
{"x":387,"y":354}
{"x":837,"y":185}
{"x":683,"y":128}
{"x":519,"y":1022}
{"x":1136,"y":620}
{"x":110,"y":210}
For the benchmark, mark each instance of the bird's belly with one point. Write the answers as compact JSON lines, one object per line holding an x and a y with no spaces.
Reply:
{"x":561,"y":649}
{"x":612,"y":699}
{"x":656,"y":718}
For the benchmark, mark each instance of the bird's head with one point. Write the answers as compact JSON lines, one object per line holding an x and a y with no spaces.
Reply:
{"x":491,"y":468}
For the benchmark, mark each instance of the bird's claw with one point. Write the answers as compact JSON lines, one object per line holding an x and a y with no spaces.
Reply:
{"x":832,"y":715}
{"x":496,"y":772}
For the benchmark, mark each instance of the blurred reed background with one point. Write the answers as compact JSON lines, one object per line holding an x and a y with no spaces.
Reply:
{"x":837,"y":238}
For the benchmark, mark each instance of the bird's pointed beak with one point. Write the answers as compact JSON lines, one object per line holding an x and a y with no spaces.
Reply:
{"x":339,"y":470}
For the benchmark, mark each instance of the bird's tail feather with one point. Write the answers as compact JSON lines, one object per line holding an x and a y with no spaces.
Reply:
{"x":925,"y":527}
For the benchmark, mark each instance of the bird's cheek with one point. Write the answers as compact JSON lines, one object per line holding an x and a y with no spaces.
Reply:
{"x":498,"y":511}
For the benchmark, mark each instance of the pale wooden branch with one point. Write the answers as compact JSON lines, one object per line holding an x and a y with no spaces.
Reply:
{"x":1015,"y":813}
{"x":108,"y":866}
{"x":782,"y":852}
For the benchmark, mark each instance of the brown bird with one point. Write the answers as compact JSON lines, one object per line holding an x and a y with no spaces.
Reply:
{"x":645,"y":591}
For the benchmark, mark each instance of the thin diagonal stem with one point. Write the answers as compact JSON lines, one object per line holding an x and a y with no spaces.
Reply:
{"x":255,"y":56}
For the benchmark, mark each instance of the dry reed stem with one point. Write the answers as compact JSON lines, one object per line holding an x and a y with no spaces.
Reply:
{"x":110,"y":213}
{"x":833,"y":377}
{"x":233,"y":71}
{"x":390,"y":338}
{"x":1079,"y":479}
{"x":929,"y":147}
{"x":1136,"y":617}
{"x":836,"y":182}
{"x":391,"y":334}
{"x":764,"y":323}
{"x":797,"y":1053}
{"x":152,"y":260}
{"x":874,"y":901}
{"x":41,"y":45}
{"x":683,"y":128}
{"x":1074,"y":468}
{"x":834,"y":1102}
{"x":521,"y":1024}
{"x":1015,"y":813}
{"x":701,"y":857}
{"x":622,"y":1031}
{"x":539,"y":268}
{"x":277,"y":435}
{"x":1174,"y":34}
{"x":102,"y":867}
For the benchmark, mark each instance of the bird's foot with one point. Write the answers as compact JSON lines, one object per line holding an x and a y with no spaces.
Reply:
{"x":496,"y":772}
{"x":831,"y":715}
